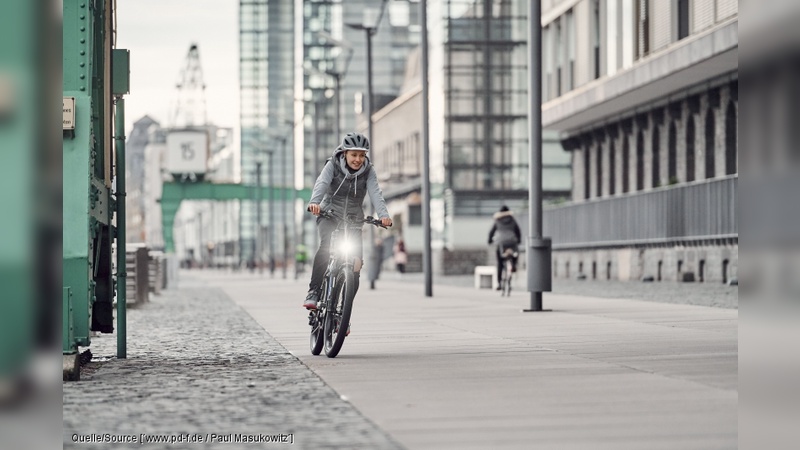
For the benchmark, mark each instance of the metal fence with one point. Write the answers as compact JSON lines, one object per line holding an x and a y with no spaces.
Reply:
{"x":702,"y":210}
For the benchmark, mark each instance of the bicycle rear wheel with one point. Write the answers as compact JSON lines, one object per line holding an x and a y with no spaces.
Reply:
{"x":337,"y":318}
{"x":507,"y":279}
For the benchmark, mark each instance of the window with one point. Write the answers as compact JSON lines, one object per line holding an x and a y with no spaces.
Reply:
{"x":596,"y":37}
{"x":639,"y":161}
{"x":690,"y":149}
{"x":570,"y":47}
{"x":587,"y":170}
{"x":656,"y":158}
{"x":730,"y":139}
{"x":710,"y":144}
{"x":683,"y":19}
{"x":643,"y":29}
{"x":599,"y":168}
{"x":612,"y":162}
{"x":672,"y":155}
{"x":625,"y":162}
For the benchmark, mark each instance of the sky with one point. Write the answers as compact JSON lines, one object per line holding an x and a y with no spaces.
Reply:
{"x":158,"y":34}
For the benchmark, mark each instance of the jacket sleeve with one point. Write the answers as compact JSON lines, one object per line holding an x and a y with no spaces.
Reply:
{"x":376,"y":195}
{"x":322,"y":184}
{"x":517,"y":232}
{"x":491,"y":232}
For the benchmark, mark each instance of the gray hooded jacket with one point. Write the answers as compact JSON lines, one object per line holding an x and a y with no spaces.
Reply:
{"x":506,"y":228}
{"x":338,"y":189}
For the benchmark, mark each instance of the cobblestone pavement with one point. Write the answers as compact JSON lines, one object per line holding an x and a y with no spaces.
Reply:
{"x":702,"y":294}
{"x":198,"y":364}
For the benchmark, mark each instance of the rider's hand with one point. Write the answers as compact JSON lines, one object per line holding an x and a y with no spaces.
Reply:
{"x":387,"y":222}
{"x":314,"y":209}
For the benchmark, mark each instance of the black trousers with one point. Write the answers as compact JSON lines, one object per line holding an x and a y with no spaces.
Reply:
{"x":325,"y":227}
{"x":499,"y":253}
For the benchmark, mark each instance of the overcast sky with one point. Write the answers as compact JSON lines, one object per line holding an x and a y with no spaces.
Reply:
{"x":158,"y":34}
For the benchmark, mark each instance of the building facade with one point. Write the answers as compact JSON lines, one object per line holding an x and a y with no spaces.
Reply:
{"x":644,"y":94}
{"x":266,"y":79}
{"x":479,"y":152}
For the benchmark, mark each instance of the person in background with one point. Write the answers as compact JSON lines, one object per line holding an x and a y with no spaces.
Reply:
{"x":505,"y":234}
{"x":400,"y":256}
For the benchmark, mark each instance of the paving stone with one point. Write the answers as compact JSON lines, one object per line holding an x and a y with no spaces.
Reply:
{"x":198,"y":364}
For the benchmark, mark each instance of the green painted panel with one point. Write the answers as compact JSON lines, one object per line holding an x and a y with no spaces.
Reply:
{"x":76,"y":182}
{"x":76,"y":275}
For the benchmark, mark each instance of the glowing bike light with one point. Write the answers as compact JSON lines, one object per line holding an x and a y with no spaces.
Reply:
{"x":345,"y":247}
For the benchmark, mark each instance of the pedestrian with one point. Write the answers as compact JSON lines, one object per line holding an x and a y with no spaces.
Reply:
{"x":508,"y":237}
{"x":400,"y":256}
{"x":347,"y":177}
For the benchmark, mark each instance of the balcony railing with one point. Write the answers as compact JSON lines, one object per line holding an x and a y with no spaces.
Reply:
{"x":698,"y":211}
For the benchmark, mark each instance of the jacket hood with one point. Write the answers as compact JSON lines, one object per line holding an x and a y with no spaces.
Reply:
{"x":503,"y":215}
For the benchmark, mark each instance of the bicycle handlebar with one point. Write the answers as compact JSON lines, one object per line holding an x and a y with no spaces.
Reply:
{"x":369,"y":219}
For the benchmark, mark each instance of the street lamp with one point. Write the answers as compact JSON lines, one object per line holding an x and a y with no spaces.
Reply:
{"x":271,"y":221}
{"x":370,"y":27}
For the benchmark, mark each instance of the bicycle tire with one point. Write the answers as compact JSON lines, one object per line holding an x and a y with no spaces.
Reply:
{"x":337,"y":319}
{"x":316,"y":340}
{"x":509,"y":275}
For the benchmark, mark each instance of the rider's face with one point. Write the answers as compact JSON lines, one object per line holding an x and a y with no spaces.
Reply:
{"x":355,"y":158}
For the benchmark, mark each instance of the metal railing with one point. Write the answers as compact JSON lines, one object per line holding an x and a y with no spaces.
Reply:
{"x":702,"y":210}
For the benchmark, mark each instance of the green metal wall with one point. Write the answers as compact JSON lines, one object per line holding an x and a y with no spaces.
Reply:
{"x":88,"y":206}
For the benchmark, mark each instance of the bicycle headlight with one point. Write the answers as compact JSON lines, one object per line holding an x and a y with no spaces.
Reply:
{"x":345,"y":246}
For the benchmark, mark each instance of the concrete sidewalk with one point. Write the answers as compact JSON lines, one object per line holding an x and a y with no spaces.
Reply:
{"x":467,"y":369}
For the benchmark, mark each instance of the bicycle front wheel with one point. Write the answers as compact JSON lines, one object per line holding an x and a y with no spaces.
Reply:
{"x":338,"y":315}
{"x":317,"y":322}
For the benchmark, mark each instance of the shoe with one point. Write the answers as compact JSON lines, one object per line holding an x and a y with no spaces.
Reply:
{"x":311,"y":300}
{"x":498,"y":288}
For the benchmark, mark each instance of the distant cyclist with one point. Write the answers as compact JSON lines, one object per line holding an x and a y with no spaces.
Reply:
{"x":505,"y":234}
{"x":348,"y":176}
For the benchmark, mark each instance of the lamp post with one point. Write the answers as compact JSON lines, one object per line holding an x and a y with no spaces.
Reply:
{"x":271,"y":223}
{"x":427,"y":266}
{"x":370,"y":28}
{"x":539,"y":256}
{"x":257,"y":234}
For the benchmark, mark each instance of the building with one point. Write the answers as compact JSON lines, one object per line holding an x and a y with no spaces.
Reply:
{"x":333,"y":56}
{"x":135,"y":146}
{"x":267,"y":82}
{"x":644,"y":95}
{"x":478,"y":75}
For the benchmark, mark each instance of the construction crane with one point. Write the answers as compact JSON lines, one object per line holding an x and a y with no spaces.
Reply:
{"x":190,"y":105}
{"x":188,"y":139}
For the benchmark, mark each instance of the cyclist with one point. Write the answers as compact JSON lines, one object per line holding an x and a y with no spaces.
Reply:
{"x":508,"y":236}
{"x":347,"y":177}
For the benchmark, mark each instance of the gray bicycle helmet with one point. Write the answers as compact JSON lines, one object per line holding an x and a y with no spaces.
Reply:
{"x":355,"y":141}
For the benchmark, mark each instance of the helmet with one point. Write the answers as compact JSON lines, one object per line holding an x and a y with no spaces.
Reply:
{"x":355,"y":141}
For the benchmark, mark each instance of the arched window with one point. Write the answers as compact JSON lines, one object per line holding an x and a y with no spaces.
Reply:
{"x":710,"y":144}
{"x":690,"y":149}
{"x":672,"y":155}
{"x":656,"y":157}
{"x":730,"y":139}
{"x":639,"y":161}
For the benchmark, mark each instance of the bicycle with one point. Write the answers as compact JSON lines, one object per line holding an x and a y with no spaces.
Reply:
{"x":330,"y":322}
{"x":508,"y":254}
